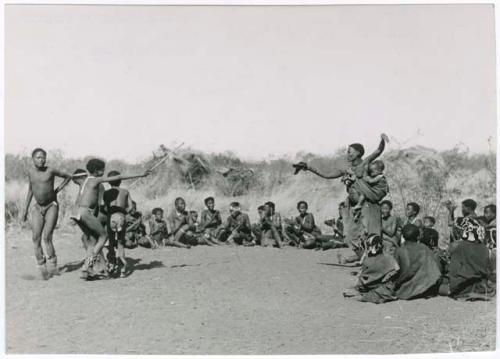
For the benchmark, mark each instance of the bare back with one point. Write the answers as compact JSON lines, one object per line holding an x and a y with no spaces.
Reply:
{"x":42,"y":185}
{"x":89,"y":193}
{"x":116,"y":197}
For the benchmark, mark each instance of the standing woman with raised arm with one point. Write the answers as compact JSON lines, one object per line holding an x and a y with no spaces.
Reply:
{"x":370,"y":218}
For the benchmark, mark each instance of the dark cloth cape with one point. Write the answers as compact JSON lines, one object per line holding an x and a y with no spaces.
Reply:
{"x":419,"y":274}
{"x":374,"y":281}
{"x":469,"y":269}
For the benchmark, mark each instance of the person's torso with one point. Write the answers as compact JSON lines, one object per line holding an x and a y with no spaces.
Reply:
{"x":42,"y":186}
{"x":211,"y":219}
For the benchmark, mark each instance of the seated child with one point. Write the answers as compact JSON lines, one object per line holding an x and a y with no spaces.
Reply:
{"x":237,"y":229}
{"x":303,"y":231}
{"x":158,"y":231}
{"x":194,"y":218}
{"x":389,"y":228}
{"x":136,"y":230}
{"x":490,"y":227}
{"x":211,"y":221}
{"x":257,"y":227}
{"x":430,"y":237}
{"x":376,"y":278}
{"x":271,"y":226}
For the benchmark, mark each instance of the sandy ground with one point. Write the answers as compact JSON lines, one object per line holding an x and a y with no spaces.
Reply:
{"x":222,"y":300}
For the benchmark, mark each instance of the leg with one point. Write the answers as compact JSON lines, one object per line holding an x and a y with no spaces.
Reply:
{"x":257,"y":232}
{"x":121,"y":256}
{"x":276,"y":236}
{"x":171,"y":242}
{"x":37,"y":223}
{"x":48,"y":229}
{"x":189,"y":238}
{"x":51,"y":217}
{"x":309,"y":241}
{"x":97,"y":234}
{"x":293,"y":238}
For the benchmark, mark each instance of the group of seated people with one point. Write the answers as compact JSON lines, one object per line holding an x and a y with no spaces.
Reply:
{"x":406,"y":262}
{"x":182,"y":228}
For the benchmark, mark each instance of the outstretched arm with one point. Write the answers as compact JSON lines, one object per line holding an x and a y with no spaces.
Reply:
{"x":337,"y":173}
{"x":29,"y":197}
{"x":379,"y":150}
{"x":121,"y":177}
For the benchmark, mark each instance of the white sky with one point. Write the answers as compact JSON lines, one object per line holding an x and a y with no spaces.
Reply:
{"x":117,"y":81}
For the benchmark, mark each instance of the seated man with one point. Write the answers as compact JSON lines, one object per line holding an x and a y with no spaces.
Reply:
{"x":211,"y":221}
{"x":375,"y":280}
{"x":419,"y":274}
{"x":337,"y":240}
{"x":237,"y":228}
{"x":303,"y":231}
{"x":469,"y":267}
{"x":182,"y":228}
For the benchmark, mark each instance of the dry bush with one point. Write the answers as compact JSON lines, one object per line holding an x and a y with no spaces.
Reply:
{"x":415,"y":174}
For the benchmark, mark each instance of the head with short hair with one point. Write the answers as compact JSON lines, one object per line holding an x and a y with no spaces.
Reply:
{"x":38,"y":149}
{"x":210,"y":202}
{"x":490,"y":212}
{"x":180,"y":204}
{"x":157,"y":210}
{"x":79,"y":179}
{"x":158,"y":213}
{"x":429,"y":221}
{"x":96,"y":167}
{"x":234,"y":208}
{"x":271,"y":207}
{"x":355,"y":151}
{"x":376,"y":168}
{"x":114,"y":183}
{"x":412,"y":209}
{"x":39,"y":157}
{"x":386,"y":208}
{"x":468,"y":207}
{"x":302,"y":207}
{"x":411,"y":233}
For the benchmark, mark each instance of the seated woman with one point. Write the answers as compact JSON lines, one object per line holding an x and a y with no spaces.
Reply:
{"x":469,"y":266}
{"x":375,"y":280}
{"x":303,"y":231}
{"x":420,"y":274}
